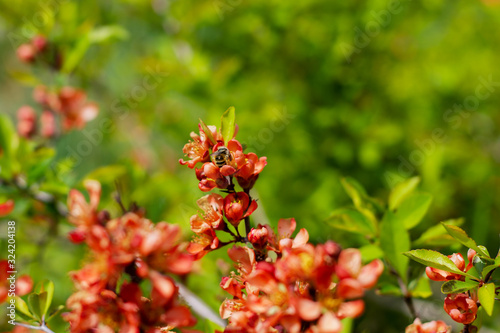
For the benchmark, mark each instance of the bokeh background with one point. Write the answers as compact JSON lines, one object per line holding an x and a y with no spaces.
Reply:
{"x":325,"y":89}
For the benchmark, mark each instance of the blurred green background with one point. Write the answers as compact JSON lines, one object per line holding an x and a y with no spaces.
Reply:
{"x":323,"y":89}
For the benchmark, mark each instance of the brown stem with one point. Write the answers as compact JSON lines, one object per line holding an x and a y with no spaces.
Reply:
{"x":466,"y":328}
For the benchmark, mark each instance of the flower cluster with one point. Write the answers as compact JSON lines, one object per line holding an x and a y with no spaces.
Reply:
{"x":306,"y":289}
{"x":223,"y":162}
{"x":125,"y":251}
{"x":281,"y":283}
{"x":461,"y":307}
{"x":29,"y":52}
{"x":69,"y":103}
{"x":435,"y":326}
{"x":228,"y":161}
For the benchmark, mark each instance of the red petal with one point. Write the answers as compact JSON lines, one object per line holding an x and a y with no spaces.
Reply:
{"x":6,"y":207}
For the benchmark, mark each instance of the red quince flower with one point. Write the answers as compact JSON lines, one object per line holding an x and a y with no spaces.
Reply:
{"x":258,"y":237}
{"x":461,"y":308}
{"x":82,"y":214}
{"x":457,"y":258}
{"x":197,"y":150}
{"x":278,"y":242}
{"x":211,"y":176}
{"x":6,"y":208}
{"x":249,"y":168}
{"x":435,"y":326}
{"x":211,"y":218}
{"x":26,"y":121}
{"x":202,"y":243}
{"x":237,"y":206}
{"x":48,"y":124}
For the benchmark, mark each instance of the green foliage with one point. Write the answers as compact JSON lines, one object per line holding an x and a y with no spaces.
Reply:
{"x":456,"y":286}
{"x":228,"y":123}
{"x":486,"y":295}
{"x":436,"y":260}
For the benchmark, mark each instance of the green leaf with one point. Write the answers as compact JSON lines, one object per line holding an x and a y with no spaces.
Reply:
{"x":455,"y":286}
{"x":347,"y":324}
{"x":413,"y":209}
{"x":107,"y":33}
{"x":437,"y":235}
{"x":371,"y":252}
{"x":488,"y":269}
{"x":22,"y":307}
{"x":54,"y":313}
{"x":42,"y":303}
{"x":207,"y":131}
{"x":401,"y":191}
{"x":9,"y":141}
{"x":389,"y":289}
{"x":350,"y":219}
{"x":25,"y":78}
{"x":480,"y":263}
{"x":75,"y":56}
{"x":436,"y":260}
{"x":461,"y":236}
{"x":47,"y":286}
{"x":34,"y":305}
{"x":394,"y":240}
{"x":422,"y":288}
{"x":43,"y":157}
{"x":486,"y":296}
{"x":354,"y":190}
{"x":228,"y":123}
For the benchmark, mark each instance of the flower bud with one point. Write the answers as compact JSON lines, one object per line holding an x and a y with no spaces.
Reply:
{"x":26,"y":117}
{"x":258,"y":237}
{"x":39,"y":42}
{"x":26,"y":53}
{"x":48,"y":124}
{"x":461,"y":308}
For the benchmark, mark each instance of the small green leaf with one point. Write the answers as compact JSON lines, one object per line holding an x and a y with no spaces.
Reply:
{"x":486,"y":296}
{"x":480,"y":263}
{"x":354,"y":190}
{"x":371,"y":252}
{"x":48,"y":287}
{"x":422,"y":288}
{"x":347,"y":324}
{"x":54,"y":313}
{"x":25,"y":78}
{"x":461,"y":236}
{"x":488,"y":269}
{"x":455,"y":286}
{"x":412,"y":210}
{"x":22,"y":307}
{"x":106,"y":33}
{"x":207,"y":132}
{"x":394,"y":241}
{"x":9,"y":141}
{"x":389,"y":289}
{"x":228,"y":123}
{"x":42,"y":303}
{"x":401,"y":191}
{"x":34,"y":305}
{"x":437,"y":235}
{"x":436,"y":260}
{"x":350,"y":219}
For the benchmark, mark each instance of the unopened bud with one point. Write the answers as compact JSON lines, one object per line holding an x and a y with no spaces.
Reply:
{"x":258,"y":237}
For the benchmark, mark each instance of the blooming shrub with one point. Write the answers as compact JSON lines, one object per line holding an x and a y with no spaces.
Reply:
{"x":130,"y":279}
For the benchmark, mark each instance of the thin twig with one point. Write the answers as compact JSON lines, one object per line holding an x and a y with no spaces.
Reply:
{"x":43,"y":327}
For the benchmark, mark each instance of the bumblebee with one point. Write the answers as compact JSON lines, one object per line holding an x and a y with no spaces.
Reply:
{"x":221,"y":157}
